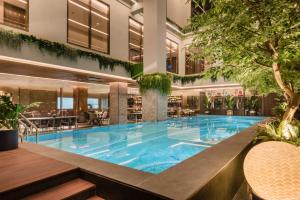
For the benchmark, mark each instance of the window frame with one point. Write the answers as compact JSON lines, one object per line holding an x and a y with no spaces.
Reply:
{"x":141,"y":46}
{"x":58,"y":106}
{"x":98,"y":103}
{"x":90,"y":27}
{"x":177,"y":57}
{"x":193,"y":64}
{"x":27,"y":16}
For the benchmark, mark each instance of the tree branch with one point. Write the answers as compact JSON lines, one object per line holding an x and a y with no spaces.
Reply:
{"x":262,"y":64}
{"x":277,"y":73}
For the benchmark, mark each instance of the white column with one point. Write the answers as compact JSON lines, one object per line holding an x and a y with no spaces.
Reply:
{"x":155,"y":14}
{"x":181,"y":59}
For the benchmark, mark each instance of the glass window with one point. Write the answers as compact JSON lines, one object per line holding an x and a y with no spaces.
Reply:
{"x":88,"y":24}
{"x":135,"y":41}
{"x":14,"y":13}
{"x":93,"y":103}
{"x":193,"y":66}
{"x":136,"y":47}
{"x":104,"y":103}
{"x":67,"y":103}
{"x":172,"y":56}
{"x":99,"y":26}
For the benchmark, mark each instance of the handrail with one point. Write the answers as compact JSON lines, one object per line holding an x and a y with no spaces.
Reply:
{"x":26,"y":128}
{"x":32,"y":126}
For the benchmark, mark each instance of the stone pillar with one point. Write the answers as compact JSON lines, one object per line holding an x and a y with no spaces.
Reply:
{"x":155,"y":14}
{"x":118,"y":103}
{"x":80,"y":100}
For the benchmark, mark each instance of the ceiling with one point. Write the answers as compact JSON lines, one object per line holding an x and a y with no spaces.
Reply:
{"x":33,"y":75}
{"x":44,"y":70}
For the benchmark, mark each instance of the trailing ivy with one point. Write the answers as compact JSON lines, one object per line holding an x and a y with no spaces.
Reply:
{"x":16,"y":40}
{"x":186,"y":79}
{"x":137,"y":70}
{"x":155,"y":81}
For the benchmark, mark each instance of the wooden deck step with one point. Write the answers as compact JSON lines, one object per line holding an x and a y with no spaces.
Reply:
{"x":95,"y":198}
{"x":74,"y":189}
{"x":24,"y":173}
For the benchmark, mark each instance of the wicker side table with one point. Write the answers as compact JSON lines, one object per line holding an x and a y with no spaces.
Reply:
{"x":272,"y":170}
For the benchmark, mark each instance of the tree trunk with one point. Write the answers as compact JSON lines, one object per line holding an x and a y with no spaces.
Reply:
{"x":292,"y":97}
{"x":292,"y":108}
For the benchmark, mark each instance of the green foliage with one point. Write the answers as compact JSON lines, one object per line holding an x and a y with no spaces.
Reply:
{"x":230,"y":102}
{"x":207,"y":102}
{"x":155,"y":81}
{"x":137,"y":70}
{"x":16,"y":40}
{"x":9,"y":113}
{"x":253,"y":103}
{"x":186,"y":79}
{"x":279,"y":131}
{"x":279,"y":109}
{"x":236,"y":34}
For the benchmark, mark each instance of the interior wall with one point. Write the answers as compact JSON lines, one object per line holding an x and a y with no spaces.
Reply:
{"x":45,"y":99}
{"x":179,"y":11}
{"x":48,"y":20}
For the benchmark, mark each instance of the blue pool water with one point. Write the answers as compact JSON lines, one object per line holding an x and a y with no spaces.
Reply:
{"x":152,"y":146}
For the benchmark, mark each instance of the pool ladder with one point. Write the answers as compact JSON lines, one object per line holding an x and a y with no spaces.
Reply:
{"x":29,"y":127}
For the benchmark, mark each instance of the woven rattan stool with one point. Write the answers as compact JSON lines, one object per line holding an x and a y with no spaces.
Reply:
{"x":272,"y":170}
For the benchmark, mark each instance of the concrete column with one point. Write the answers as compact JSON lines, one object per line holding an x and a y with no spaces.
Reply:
{"x":80,"y":100}
{"x":155,"y":14}
{"x":118,"y":103}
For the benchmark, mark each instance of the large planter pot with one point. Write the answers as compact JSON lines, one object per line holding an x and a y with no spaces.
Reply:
{"x":229,"y":112}
{"x":207,"y":112}
{"x":252,"y":112}
{"x":8,"y":139}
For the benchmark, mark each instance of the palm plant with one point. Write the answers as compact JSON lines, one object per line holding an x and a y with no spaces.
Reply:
{"x":230,"y":102}
{"x":279,"y":131}
{"x":207,"y":103}
{"x":9,"y":113}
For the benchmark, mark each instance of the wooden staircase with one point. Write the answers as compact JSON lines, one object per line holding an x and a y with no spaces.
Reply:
{"x":29,"y":176}
{"x":74,"y":189}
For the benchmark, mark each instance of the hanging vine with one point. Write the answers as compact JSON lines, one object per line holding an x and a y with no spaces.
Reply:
{"x":155,"y":81}
{"x":16,"y":40}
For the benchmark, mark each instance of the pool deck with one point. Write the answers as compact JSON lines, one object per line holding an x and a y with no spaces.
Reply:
{"x":215,"y":173}
{"x":27,"y":175}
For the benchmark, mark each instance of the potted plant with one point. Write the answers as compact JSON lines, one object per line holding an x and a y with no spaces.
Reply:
{"x":230,"y":103}
{"x":246,"y":106}
{"x":253,"y":105}
{"x":9,"y":114}
{"x":207,"y":104}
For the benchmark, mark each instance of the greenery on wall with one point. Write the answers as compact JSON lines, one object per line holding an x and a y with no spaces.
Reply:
{"x":16,"y":40}
{"x":137,"y":70}
{"x":155,"y":81}
{"x":186,"y":79}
